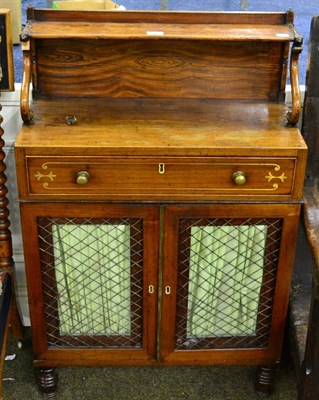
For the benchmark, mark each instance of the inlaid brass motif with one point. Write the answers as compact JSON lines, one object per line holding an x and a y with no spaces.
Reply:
{"x":270,"y":177}
{"x":40,"y":176}
{"x":50,"y":175}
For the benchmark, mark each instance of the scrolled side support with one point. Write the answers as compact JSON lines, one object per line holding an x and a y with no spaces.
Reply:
{"x":294,"y":115}
{"x":26,"y":112}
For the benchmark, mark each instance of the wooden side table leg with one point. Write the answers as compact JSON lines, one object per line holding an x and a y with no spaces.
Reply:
{"x":47,"y":381}
{"x":17,"y":328}
{"x":265,"y":380}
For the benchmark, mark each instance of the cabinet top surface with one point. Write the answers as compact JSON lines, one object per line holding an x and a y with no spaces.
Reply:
{"x":161,"y":126}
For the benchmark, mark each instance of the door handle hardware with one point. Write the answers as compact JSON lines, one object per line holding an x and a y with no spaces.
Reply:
{"x":239,"y":178}
{"x":82,"y":177}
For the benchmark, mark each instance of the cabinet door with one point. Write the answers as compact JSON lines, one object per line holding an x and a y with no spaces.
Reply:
{"x":92,"y":280}
{"x":226,"y":276}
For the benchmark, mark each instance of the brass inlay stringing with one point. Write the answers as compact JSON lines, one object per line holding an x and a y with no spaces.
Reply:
{"x":162,"y":170}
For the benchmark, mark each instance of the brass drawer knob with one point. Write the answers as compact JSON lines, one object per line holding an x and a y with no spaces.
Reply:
{"x":239,"y":178}
{"x":82,"y":177}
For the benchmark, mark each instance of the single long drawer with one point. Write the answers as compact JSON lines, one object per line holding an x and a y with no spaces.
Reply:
{"x":182,"y":178}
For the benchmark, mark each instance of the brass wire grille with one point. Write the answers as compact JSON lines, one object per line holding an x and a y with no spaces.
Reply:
{"x":252,"y":327}
{"x":78,"y":262}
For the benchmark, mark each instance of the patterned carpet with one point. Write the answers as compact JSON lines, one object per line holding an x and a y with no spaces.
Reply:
{"x":141,"y":383}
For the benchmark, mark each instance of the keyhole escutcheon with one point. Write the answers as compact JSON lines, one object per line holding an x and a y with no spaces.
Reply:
{"x":161,"y":168}
{"x":151,"y":289}
{"x":168,"y":290}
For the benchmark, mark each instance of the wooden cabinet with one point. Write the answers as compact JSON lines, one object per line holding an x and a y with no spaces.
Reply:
{"x":160,"y":183}
{"x":95,"y":281}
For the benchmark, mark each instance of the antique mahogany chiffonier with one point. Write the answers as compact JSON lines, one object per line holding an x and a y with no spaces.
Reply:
{"x":160,"y":181}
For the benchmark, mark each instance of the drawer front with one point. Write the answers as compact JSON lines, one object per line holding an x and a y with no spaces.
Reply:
{"x":182,"y":178}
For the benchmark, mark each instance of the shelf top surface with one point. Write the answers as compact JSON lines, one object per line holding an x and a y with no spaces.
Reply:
{"x":162,"y":126}
{"x":69,"y":30}
{"x":61,"y":24}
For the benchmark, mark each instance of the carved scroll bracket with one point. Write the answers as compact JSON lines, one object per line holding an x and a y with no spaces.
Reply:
{"x":26,"y":112}
{"x":294,"y":115}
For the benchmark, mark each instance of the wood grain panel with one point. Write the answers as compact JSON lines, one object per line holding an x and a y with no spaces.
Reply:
{"x":187,"y":69}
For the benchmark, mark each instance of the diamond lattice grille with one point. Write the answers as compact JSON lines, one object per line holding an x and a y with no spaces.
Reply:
{"x":92,"y":279}
{"x":226,"y":281}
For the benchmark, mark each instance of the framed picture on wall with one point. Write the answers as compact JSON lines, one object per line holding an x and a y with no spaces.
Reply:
{"x":6,"y":51}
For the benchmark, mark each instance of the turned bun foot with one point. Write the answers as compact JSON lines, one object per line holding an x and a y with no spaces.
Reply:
{"x":264,"y":381}
{"x":47,"y":381}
